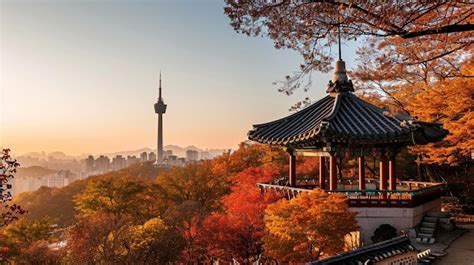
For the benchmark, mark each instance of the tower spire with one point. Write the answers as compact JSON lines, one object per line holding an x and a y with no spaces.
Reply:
{"x":159,"y":97}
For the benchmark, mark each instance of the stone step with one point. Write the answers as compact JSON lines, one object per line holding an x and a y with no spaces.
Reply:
{"x":428,"y":224}
{"x":438,"y":214}
{"x":425,"y":240}
{"x":430,"y":219}
{"x":446,"y":220}
{"x":427,"y":230}
{"x":424,"y":235}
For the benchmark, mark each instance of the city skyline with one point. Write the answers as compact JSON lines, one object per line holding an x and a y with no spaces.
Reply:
{"x":95,"y":92}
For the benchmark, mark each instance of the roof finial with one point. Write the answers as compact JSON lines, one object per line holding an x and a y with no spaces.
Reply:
{"x":339,"y":39}
{"x":340,"y":82}
{"x":160,"y":87}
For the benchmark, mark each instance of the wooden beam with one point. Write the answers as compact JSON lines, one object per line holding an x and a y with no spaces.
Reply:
{"x":322,"y":172}
{"x":333,"y":172}
{"x":311,"y":153}
{"x":292,"y":173}
{"x":361,"y":161}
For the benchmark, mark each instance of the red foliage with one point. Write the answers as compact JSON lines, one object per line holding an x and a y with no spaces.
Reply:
{"x":237,"y":233}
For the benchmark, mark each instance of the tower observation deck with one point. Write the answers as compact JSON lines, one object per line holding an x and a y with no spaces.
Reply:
{"x":160,"y":109}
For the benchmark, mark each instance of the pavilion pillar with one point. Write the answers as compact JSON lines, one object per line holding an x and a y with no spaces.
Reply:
{"x":383,"y":173}
{"x":322,"y":172}
{"x":392,"y":173}
{"x":361,"y":161}
{"x":333,"y":172}
{"x":292,"y":171}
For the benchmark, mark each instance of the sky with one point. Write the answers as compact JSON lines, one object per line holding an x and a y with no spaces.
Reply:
{"x":82,"y":76}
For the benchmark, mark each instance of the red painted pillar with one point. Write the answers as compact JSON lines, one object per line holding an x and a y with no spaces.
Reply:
{"x":392,"y":173}
{"x":292,"y":173}
{"x":383,"y":173}
{"x":322,"y":172}
{"x":361,"y":173}
{"x":333,"y":172}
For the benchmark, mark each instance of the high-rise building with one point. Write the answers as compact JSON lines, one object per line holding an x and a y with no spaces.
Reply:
{"x":102,"y":164}
{"x":168,"y":153}
{"x":131,"y":160}
{"x":89,"y":164}
{"x":192,"y":155}
{"x":160,"y":109}
{"x":143,"y":157}
{"x":118,"y":162}
{"x":152,"y":156}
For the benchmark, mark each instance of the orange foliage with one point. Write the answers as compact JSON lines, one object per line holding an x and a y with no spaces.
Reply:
{"x":309,"y":227}
{"x":450,"y":102}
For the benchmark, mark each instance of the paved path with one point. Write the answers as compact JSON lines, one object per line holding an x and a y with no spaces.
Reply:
{"x":461,"y":251}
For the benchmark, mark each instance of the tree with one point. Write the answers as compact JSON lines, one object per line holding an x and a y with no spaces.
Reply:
{"x":99,"y":238}
{"x":391,"y":31}
{"x":120,"y":196}
{"x":38,"y":252}
{"x":27,"y":242}
{"x":154,"y":242}
{"x":10,"y":211}
{"x":449,"y":102}
{"x":237,"y":232}
{"x":309,"y":227}
{"x":26,"y":231}
{"x":193,"y":183}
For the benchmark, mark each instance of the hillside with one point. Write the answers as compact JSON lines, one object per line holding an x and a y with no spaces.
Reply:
{"x":58,"y":203}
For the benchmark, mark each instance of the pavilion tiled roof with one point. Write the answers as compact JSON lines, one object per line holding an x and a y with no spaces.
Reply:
{"x":343,"y":117}
{"x":373,"y":253}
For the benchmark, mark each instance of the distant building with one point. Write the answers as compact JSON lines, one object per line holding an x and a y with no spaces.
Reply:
{"x":131,"y":160}
{"x":102,"y":164}
{"x":143,"y":157}
{"x":192,"y":155}
{"x":168,"y":153}
{"x":152,"y":156}
{"x":89,"y":164}
{"x":181,"y":162}
{"x":172,"y":160}
{"x":118,"y":162}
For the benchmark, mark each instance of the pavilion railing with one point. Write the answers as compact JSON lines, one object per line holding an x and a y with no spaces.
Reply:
{"x":425,"y":192}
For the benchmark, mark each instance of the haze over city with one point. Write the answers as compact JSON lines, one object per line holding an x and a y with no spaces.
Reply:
{"x":82,"y":76}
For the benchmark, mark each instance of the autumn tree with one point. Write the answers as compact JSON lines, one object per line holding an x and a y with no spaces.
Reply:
{"x":309,"y":227}
{"x":197,"y":183}
{"x":450,"y":102}
{"x":10,"y":211}
{"x":27,"y":241}
{"x":120,"y":196}
{"x":249,"y":155}
{"x":236,"y":233}
{"x":154,"y":242}
{"x":391,"y":31}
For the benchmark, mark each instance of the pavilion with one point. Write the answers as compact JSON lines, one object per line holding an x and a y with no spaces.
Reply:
{"x":342,"y":123}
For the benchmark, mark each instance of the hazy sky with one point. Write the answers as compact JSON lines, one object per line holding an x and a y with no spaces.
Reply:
{"x":82,"y":76}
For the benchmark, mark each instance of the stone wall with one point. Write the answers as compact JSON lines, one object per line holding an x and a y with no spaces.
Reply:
{"x":369,"y":218}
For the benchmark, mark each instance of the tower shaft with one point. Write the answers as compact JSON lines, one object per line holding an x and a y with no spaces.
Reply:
{"x":159,"y":157}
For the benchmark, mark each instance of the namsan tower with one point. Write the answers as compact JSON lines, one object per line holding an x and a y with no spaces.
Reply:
{"x":160,"y":109}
